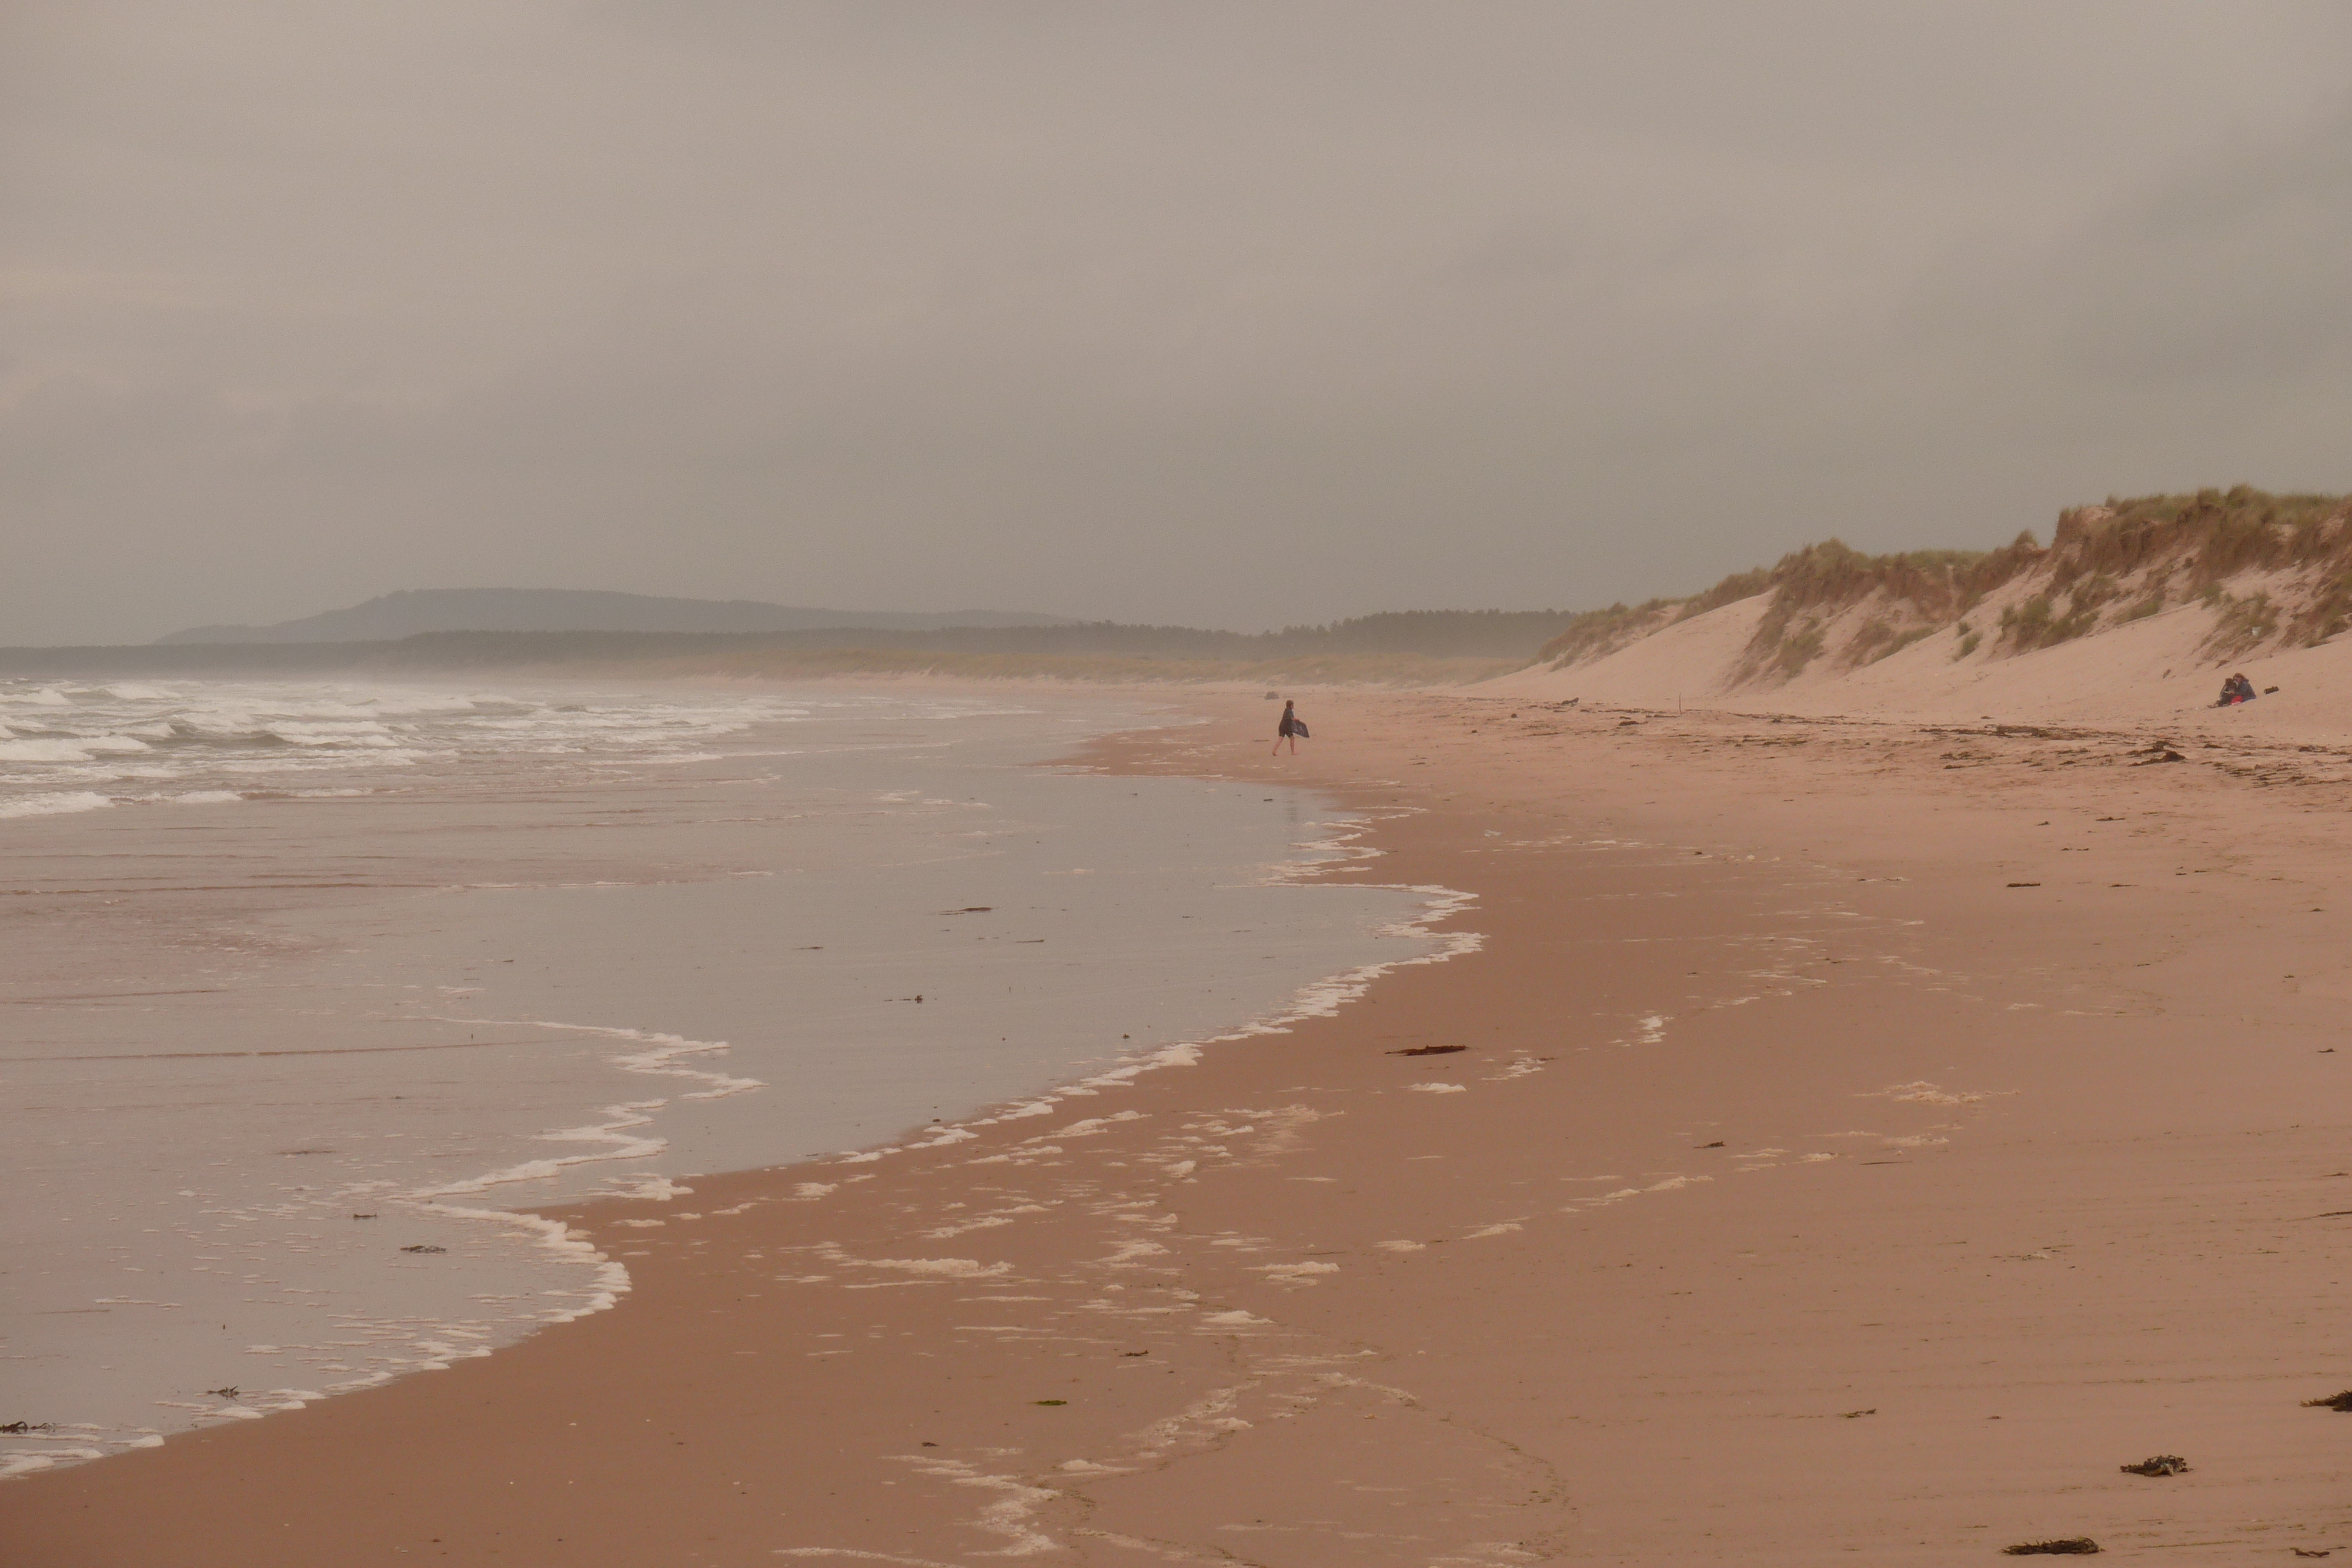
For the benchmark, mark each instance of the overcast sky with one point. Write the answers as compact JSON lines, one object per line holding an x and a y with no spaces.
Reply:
{"x":1232,"y":314}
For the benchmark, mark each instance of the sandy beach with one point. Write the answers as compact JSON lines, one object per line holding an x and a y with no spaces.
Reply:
{"x":1849,"y":1140}
{"x":652,"y":917}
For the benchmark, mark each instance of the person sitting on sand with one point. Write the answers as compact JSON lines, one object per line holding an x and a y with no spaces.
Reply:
{"x":2236,"y":689}
{"x":1291,"y":728}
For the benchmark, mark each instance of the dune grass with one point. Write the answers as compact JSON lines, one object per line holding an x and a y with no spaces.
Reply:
{"x":2105,"y":565}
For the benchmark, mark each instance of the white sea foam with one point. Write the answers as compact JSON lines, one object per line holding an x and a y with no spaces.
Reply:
{"x":78,"y":748}
{"x":613,"y":1138}
{"x":52,"y":802}
{"x":617,"y":1137}
{"x":939,"y":1268}
{"x":1924,"y":1094}
{"x":192,"y":731}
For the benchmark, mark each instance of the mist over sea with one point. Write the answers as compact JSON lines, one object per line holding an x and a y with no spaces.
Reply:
{"x":314,"y":986}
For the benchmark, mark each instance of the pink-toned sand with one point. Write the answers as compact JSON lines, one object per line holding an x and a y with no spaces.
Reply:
{"x":1865,"y":1138}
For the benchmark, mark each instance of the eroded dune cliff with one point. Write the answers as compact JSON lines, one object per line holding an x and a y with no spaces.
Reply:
{"x":2133,"y":613}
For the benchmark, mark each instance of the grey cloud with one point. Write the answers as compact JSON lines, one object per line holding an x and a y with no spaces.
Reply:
{"x":1227,"y":313}
{"x":2235,"y":273}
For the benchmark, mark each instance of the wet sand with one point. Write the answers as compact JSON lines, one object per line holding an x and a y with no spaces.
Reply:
{"x":1865,"y":1140}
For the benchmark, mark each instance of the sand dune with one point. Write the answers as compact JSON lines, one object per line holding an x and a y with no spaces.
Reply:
{"x":2152,"y":672}
{"x":2123,"y":621}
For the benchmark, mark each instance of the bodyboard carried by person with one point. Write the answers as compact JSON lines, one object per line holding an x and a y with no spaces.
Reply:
{"x":1292,"y":729}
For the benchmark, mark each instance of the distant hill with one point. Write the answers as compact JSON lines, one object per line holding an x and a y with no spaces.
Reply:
{"x":392,"y":616}
{"x":1511,"y":636}
{"x":1429,"y":646}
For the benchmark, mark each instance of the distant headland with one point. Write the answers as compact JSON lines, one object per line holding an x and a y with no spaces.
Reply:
{"x":389,"y":617}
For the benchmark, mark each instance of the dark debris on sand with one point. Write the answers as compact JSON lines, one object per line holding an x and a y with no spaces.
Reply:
{"x":2065,"y":1546}
{"x":2159,"y":1465}
{"x":1429,"y":1050}
{"x":2333,"y":1401}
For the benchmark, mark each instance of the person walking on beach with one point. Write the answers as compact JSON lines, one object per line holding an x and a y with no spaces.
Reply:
{"x":1291,"y":728}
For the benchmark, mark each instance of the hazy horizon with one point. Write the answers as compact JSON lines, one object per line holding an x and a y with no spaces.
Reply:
{"x":1211,"y":314}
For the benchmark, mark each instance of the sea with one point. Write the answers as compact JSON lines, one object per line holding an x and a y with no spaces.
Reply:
{"x":315,"y":990}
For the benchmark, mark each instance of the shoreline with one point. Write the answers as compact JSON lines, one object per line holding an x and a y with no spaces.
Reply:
{"x":507,"y":995}
{"x":1606,"y":1283}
